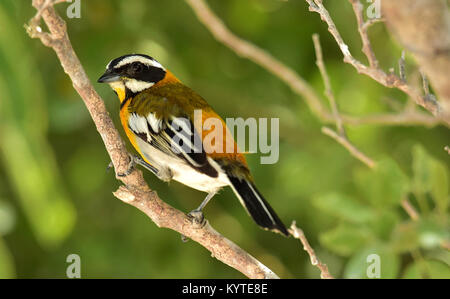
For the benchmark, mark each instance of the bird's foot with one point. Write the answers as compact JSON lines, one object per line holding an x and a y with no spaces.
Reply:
{"x":130,"y":167}
{"x":164,"y":174}
{"x":197,"y":218}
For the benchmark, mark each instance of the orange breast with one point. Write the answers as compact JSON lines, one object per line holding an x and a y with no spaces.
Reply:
{"x":124,"y":115}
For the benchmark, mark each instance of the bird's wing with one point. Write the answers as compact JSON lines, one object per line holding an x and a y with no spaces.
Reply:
{"x":174,"y":136}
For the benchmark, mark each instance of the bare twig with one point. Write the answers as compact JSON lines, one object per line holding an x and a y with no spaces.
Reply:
{"x":410,"y":209}
{"x":326,"y":79}
{"x":135,"y":192}
{"x":350,"y":147}
{"x":298,"y":234}
{"x":363,"y":27}
{"x":292,"y":79}
{"x":341,"y":135}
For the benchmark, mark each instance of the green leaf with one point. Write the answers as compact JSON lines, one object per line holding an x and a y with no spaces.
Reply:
{"x":422,"y":169}
{"x":383,"y":223}
{"x":343,"y":207}
{"x":439,"y":186}
{"x":431,"y":233}
{"x":384,"y":186}
{"x":430,"y":175}
{"x":7,"y":268}
{"x":427,"y":269}
{"x":371,"y":262}
{"x":425,"y":233}
{"x":7,"y":217}
{"x":405,"y":237}
{"x":344,"y":240}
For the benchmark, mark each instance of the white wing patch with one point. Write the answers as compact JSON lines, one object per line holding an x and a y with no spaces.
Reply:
{"x":139,"y":124}
{"x":155,"y":123}
{"x":187,"y":134}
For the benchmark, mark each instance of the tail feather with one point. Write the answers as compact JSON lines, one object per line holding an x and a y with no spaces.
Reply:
{"x":255,"y":204}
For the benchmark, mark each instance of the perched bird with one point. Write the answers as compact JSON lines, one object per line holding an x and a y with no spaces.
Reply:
{"x":157,"y":113}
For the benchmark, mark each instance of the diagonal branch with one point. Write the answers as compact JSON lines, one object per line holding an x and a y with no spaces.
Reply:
{"x":135,"y":192}
{"x":298,"y":234}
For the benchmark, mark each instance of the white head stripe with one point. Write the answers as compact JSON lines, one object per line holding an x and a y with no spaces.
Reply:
{"x":138,"y":58}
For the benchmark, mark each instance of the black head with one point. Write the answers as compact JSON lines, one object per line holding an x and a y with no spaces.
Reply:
{"x":135,"y":72}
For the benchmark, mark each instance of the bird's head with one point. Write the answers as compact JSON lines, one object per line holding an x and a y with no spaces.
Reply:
{"x":130,"y":74}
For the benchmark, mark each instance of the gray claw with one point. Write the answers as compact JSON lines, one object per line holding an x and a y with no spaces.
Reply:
{"x":197,"y":218}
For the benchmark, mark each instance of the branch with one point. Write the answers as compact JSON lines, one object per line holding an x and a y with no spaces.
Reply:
{"x":298,"y":234}
{"x":349,"y":146}
{"x":286,"y":74}
{"x":427,"y":39}
{"x":374,"y":71}
{"x":341,"y":135}
{"x":135,"y":192}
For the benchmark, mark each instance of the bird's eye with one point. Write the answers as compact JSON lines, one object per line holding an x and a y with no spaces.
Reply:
{"x":137,"y":67}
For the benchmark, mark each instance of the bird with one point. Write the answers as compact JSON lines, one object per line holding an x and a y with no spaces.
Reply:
{"x":157,"y":112}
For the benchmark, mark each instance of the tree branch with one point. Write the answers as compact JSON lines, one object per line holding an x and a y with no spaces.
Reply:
{"x":298,"y":234}
{"x":135,"y":192}
{"x":286,"y":74}
{"x":427,"y":39}
{"x":374,"y":71}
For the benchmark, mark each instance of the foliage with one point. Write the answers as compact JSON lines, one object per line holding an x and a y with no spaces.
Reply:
{"x":55,"y":194}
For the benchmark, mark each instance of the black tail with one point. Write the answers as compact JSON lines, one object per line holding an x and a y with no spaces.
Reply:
{"x":256,"y":205}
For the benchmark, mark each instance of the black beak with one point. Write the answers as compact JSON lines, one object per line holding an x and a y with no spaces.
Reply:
{"x":108,"y":77}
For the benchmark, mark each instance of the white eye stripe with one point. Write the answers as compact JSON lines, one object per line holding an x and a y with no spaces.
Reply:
{"x":137,"y":58}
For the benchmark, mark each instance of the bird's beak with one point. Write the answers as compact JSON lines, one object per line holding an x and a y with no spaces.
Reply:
{"x":108,"y":77}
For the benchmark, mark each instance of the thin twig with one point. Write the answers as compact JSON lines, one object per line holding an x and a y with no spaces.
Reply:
{"x":363,"y":27}
{"x":135,"y":192}
{"x":350,"y":147}
{"x":326,"y":79}
{"x":410,"y":210}
{"x":341,"y":135}
{"x":298,"y":234}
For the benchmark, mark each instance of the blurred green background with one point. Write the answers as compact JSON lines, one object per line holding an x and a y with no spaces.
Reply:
{"x":56,"y":196}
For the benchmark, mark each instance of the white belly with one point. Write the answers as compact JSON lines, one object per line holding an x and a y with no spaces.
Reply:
{"x":183,"y":172}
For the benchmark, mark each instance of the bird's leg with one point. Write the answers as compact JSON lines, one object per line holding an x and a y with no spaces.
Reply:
{"x":197,"y":214}
{"x":131,"y":165}
{"x":163,"y":173}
